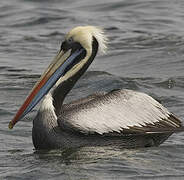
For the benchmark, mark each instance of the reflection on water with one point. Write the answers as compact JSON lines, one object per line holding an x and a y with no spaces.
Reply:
{"x":103,"y":162}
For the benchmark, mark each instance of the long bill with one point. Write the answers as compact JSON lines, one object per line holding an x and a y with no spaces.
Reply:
{"x":56,"y":69}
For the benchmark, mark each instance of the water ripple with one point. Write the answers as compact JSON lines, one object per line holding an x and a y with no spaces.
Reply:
{"x":145,"y":53}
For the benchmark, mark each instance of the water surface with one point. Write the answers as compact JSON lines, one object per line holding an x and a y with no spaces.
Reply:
{"x":146,"y":42}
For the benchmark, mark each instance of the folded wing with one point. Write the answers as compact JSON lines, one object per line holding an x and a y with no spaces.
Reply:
{"x":118,"y":112}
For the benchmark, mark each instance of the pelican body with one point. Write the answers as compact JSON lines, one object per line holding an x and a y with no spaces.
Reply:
{"x":122,"y":118}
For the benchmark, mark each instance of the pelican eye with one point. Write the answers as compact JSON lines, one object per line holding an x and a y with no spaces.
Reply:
{"x":67,"y":44}
{"x":70,"y":40}
{"x":70,"y":44}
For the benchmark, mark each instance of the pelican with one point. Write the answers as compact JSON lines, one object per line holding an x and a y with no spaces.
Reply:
{"x":119,"y":117}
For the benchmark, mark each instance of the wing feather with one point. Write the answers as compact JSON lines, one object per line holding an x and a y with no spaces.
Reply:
{"x":120,"y":111}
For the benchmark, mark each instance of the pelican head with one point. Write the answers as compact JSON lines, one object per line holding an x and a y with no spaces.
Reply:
{"x":77,"y":52}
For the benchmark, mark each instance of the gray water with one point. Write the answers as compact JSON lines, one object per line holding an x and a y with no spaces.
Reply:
{"x":146,"y":53}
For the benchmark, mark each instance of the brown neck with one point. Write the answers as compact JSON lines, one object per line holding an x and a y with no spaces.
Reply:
{"x":64,"y":88}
